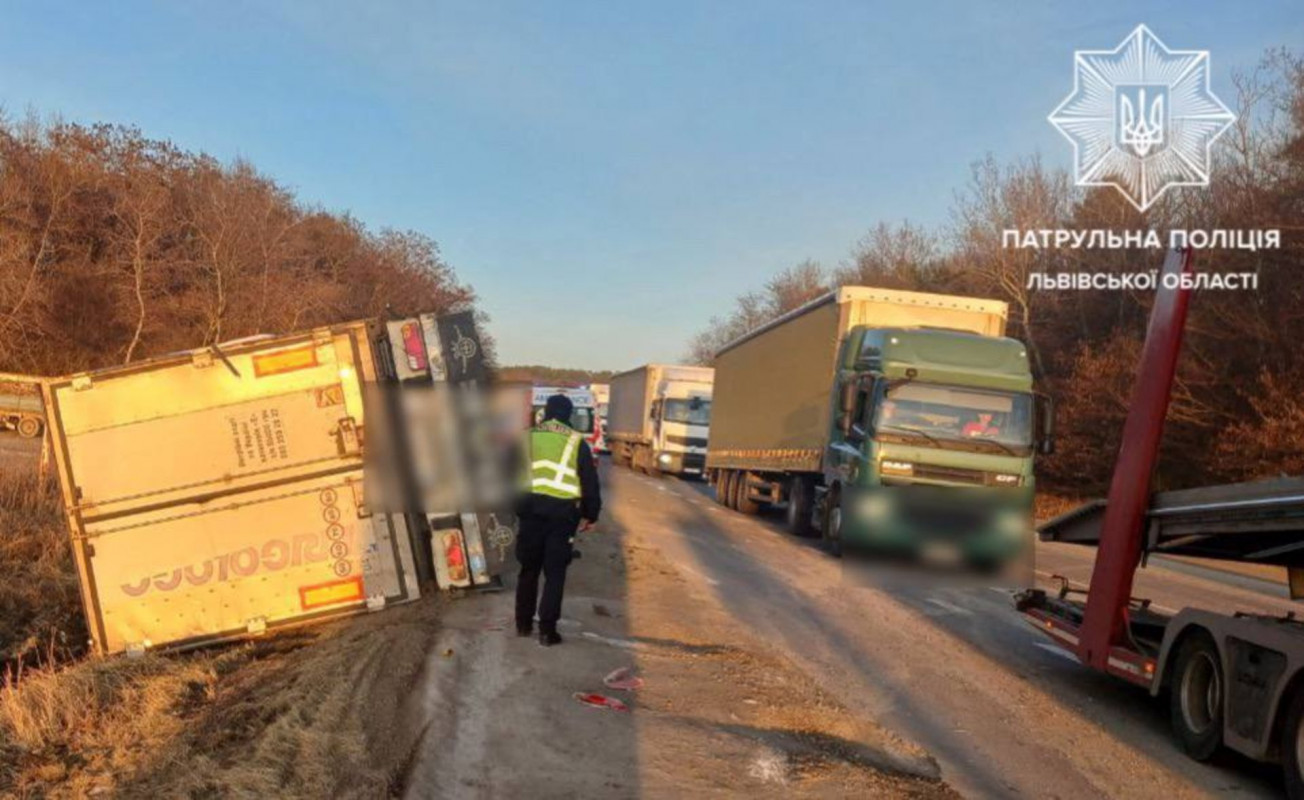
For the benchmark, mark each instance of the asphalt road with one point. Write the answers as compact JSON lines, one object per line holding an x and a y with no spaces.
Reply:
{"x":945,"y":661}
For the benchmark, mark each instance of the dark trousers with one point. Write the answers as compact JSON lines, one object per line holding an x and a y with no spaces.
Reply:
{"x":542,"y":545}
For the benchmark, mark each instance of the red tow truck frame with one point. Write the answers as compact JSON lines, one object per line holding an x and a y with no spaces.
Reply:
{"x":1235,"y":680}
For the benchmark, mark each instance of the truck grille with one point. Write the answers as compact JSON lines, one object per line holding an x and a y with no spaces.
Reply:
{"x":934,"y":472}
{"x":686,"y":441}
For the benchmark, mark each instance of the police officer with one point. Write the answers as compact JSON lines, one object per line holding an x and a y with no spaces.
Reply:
{"x":560,"y":495}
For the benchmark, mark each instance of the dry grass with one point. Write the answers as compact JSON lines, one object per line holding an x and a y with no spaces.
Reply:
{"x":66,"y":732}
{"x":40,"y":611}
{"x":317,"y":712}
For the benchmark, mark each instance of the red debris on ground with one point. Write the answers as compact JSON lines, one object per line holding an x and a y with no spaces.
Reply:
{"x":623,"y":679}
{"x":601,"y":701}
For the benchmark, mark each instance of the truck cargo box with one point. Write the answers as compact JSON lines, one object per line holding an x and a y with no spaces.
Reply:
{"x":632,"y":394}
{"x":771,"y":407}
{"x":219,"y":491}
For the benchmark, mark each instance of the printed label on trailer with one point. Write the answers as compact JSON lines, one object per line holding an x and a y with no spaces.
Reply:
{"x":258,"y":438}
{"x":330,"y":594}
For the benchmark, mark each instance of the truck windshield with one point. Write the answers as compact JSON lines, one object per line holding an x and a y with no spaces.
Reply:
{"x":692,"y":411}
{"x":958,"y":414}
{"x":581,"y":419}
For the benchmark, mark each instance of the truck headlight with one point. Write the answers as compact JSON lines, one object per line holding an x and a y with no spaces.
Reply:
{"x":896,"y":467}
{"x":664,"y":458}
{"x":1012,"y":523}
{"x":873,"y":507}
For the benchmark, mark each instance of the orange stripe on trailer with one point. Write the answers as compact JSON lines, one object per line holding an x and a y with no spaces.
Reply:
{"x":329,"y":594}
{"x":285,"y":361}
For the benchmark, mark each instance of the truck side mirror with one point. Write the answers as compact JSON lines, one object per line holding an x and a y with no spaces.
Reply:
{"x":1045,"y":408}
{"x":847,"y":406}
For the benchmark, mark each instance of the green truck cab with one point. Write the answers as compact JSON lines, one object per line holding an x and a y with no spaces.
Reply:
{"x":932,"y":444}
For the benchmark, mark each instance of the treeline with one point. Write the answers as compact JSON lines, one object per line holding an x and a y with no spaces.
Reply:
{"x":115,"y":247}
{"x":1238,"y":407}
{"x":546,"y":376}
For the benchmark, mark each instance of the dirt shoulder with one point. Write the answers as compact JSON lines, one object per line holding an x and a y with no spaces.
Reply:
{"x":720,"y":713}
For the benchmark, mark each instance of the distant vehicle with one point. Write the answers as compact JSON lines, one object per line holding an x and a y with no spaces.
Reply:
{"x":660,"y":418}
{"x":584,"y":418}
{"x":602,"y":397}
{"x":22,"y":413}
{"x":904,"y":421}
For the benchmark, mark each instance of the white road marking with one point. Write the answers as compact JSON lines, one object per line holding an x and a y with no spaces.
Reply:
{"x":951,"y":607}
{"x":692,"y":571}
{"x":625,"y":643}
{"x":1059,"y":651}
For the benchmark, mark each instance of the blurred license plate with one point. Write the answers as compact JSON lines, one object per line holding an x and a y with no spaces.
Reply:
{"x":941,"y":553}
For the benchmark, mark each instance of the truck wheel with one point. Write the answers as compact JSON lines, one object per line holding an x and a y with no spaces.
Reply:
{"x":1292,"y":746}
{"x":800,"y":500}
{"x":1196,"y":697}
{"x":831,"y":522}
{"x":742,"y":503}
{"x":724,"y":488}
{"x":29,"y":427}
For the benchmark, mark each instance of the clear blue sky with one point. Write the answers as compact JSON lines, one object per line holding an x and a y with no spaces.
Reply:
{"x":608,"y":175}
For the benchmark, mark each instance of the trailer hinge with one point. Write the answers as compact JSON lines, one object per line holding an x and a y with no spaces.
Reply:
{"x":348,"y":436}
{"x":138,"y":649}
{"x":359,"y":499}
{"x":256,"y":626}
{"x":81,"y":382}
{"x":322,"y":335}
{"x":376,"y":602}
{"x":202,"y":358}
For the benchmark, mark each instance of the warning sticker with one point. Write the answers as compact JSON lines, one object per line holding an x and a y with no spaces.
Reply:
{"x":329,"y":594}
{"x":285,"y":361}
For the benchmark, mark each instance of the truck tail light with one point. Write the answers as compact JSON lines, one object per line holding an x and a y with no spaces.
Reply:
{"x":414,"y":347}
{"x":454,"y":556}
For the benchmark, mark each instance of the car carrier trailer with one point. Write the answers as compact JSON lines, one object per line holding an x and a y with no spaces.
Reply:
{"x":1234,"y":680}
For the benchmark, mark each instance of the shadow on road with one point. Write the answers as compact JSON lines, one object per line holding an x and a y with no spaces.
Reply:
{"x":809,"y":611}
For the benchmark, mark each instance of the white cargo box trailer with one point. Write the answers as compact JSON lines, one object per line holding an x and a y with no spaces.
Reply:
{"x":235,"y":497}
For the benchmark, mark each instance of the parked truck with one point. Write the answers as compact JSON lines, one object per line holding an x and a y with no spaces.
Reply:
{"x":602,"y":400}
{"x":21,"y":409}
{"x":660,"y":417}
{"x":1234,"y":680}
{"x":892,"y":421}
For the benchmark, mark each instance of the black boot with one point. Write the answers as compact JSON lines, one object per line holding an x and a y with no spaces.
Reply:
{"x":549,"y":638}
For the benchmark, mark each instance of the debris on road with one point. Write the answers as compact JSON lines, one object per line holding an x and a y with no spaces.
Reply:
{"x":623,"y":679}
{"x":600,"y":701}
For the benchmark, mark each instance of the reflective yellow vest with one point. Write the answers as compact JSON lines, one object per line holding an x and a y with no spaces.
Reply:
{"x":553,"y":460}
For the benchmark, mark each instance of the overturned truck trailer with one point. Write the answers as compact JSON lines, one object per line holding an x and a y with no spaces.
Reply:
{"x":220,"y":492}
